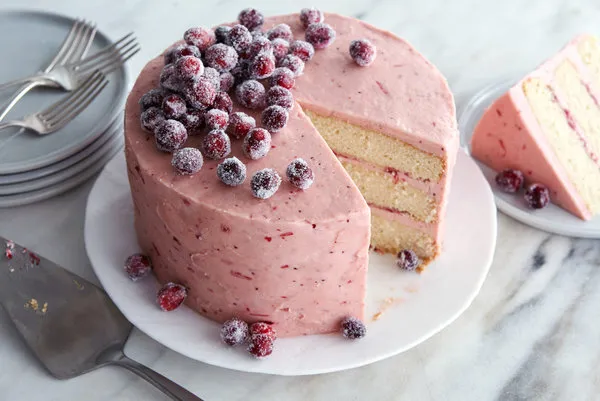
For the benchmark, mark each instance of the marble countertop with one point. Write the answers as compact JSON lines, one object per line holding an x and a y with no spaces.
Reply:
{"x":533,"y":332}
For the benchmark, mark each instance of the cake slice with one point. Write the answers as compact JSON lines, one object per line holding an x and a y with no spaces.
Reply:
{"x":548,"y":126}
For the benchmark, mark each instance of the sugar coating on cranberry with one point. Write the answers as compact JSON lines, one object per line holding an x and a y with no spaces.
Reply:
{"x":226,"y":81}
{"x":178,"y":51}
{"x":240,"y":124}
{"x":263,"y":328}
{"x":240,"y":37}
{"x":222,"y":34}
{"x":265,"y":183}
{"x":320,"y":35}
{"x":169,"y":79}
{"x":260,"y":45}
{"x":537,"y":196}
{"x":280,"y":48}
{"x":223,"y":102}
{"x":202,"y":38}
{"x":216,"y":119}
{"x":251,"y":94}
{"x":174,"y":106}
{"x":151,"y":118}
{"x":262,"y":66}
{"x":353,"y":328}
{"x":234,"y":332}
{"x":283,"y":77}
{"x":171,"y":296}
{"x":193,"y":121}
{"x":311,"y":16}
{"x":216,"y":144}
{"x":278,"y":95}
{"x":138,"y":266}
{"x":187,"y":161}
{"x":251,"y":18}
{"x":240,"y":72}
{"x":257,"y":143}
{"x":214,"y":76}
{"x":510,"y":180}
{"x":231,"y":172}
{"x":294,"y":63}
{"x":303,"y":50}
{"x":200,"y":94}
{"x":281,"y":31}
{"x":189,"y":68}
{"x":408,"y":260}
{"x":170,"y":135}
{"x":261,"y":346}
{"x":300,"y":174}
{"x":221,"y":57}
{"x":363,"y":52}
{"x":152,"y":98}
{"x":274,"y":118}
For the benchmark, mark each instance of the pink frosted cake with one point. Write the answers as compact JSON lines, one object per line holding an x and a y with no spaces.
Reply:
{"x":548,"y":127}
{"x":377,"y":135}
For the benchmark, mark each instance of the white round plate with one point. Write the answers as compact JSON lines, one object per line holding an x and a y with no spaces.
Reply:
{"x":552,"y":218}
{"x":422,"y":304}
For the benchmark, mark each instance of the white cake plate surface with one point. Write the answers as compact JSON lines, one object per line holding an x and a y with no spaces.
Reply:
{"x":552,"y":219}
{"x":411,"y":307}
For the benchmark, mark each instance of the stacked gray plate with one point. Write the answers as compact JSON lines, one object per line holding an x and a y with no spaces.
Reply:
{"x":32,"y":167}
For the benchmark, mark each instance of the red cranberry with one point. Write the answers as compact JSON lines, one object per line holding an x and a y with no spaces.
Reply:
{"x":283,"y":77}
{"x":363,"y":52}
{"x":281,"y":48}
{"x":251,"y":94}
{"x":320,"y":35}
{"x":222,"y":34}
{"x":187,"y":161}
{"x":234,"y":332}
{"x":303,"y":50}
{"x":216,"y":144}
{"x":537,"y":196}
{"x":223,"y":102}
{"x":274,"y":118}
{"x":202,"y":38}
{"x":257,"y":143}
{"x":214,"y":76}
{"x":200,"y":94}
{"x":261,"y":346}
{"x":408,"y":260}
{"x":171,"y":296}
{"x":226,"y":81}
{"x":152,"y":98}
{"x":300,"y":174}
{"x":170,"y":135}
{"x":240,"y":72}
{"x":510,"y":180}
{"x":216,"y":119}
{"x":294,"y":63}
{"x":265,"y":183}
{"x":262,"y":66}
{"x":311,"y":16}
{"x":151,"y":118}
{"x":169,"y":79}
{"x":353,"y":328}
{"x":193,"y":121}
{"x":231,"y":172}
{"x":260,"y":45}
{"x":189,"y":68}
{"x":221,"y":57}
{"x":174,"y":107}
{"x":138,"y":266}
{"x":264,"y":329}
{"x":240,"y":37}
{"x":280,"y":96}
{"x":282,"y":31}
{"x":240,"y":124}
{"x":178,"y":51}
{"x":251,"y":18}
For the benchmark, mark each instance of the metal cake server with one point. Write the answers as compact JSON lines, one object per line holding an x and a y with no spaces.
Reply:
{"x":70,"y":324}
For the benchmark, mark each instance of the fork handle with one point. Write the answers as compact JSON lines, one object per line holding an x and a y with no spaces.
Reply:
{"x":18,"y":95}
{"x":39,"y":78}
{"x":14,"y":123}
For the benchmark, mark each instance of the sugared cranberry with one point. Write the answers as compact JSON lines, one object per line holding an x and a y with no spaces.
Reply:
{"x":178,"y":51}
{"x":138,"y":266}
{"x":240,"y":124}
{"x":171,"y":296}
{"x":234,"y":332}
{"x":214,"y":76}
{"x":223,"y":102}
{"x":278,"y":95}
{"x":280,"y":47}
{"x":202,"y":38}
{"x":408,"y":260}
{"x":363,"y":52}
{"x":261,"y":346}
{"x":152,"y":98}
{"x":537,"y":196}
{"x":300,"y":174}
{"x":221,"y":57}
{"x":262,"y":328}
{"x":274,"y":118}
{"x":510,"y":180}
{"x":303,"y":50}
{"x":231,"y":172}
{"x":193,"y":121}
{"x":282,"y":31}
{"x":320,"y":35}
{"x":294,"y":63}
{"x":262,"y":66}
{"x":174,"y":106}
{"x":261,"y":45}
{"x":151,"y":118}
{"x":226,"y":81}
{"x":251,"y":18}
{"x":216,"y":144}
{"x":240,"y":72}
{"x":311,"y":16}
{"x":169,"y":79}
{"x":170,"y":135}
{"x":283,"y":77}
{"x":257,"y":143}
{"x":251,"y":94}
{"x":265,"y":183}
{"x":216,"y":119}
{"x":240,"y":37}
{"x":200,"y":94}
{"x":189,"y":68}
{"x":222,"y":34}
{"x":353,"y":328}
{"x":187,"y":161}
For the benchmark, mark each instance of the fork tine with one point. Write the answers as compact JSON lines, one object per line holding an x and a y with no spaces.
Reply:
{"x":109,"y":56}
{"x":84,"y":44}
{"x":67,"y":43}
{"x":81,"y":105}
{"x":104,"y":52}
{"x":117,"y":59}
{"x":63,"y":112}
{"x":124,"y":58}
{"x":76,"y":41}
{"x":51,"y":111}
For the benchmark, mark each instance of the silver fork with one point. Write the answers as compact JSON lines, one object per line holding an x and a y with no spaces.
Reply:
{"x":69,"y":76}
{"x":62,"y":112}
{"x":74,"y":48}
